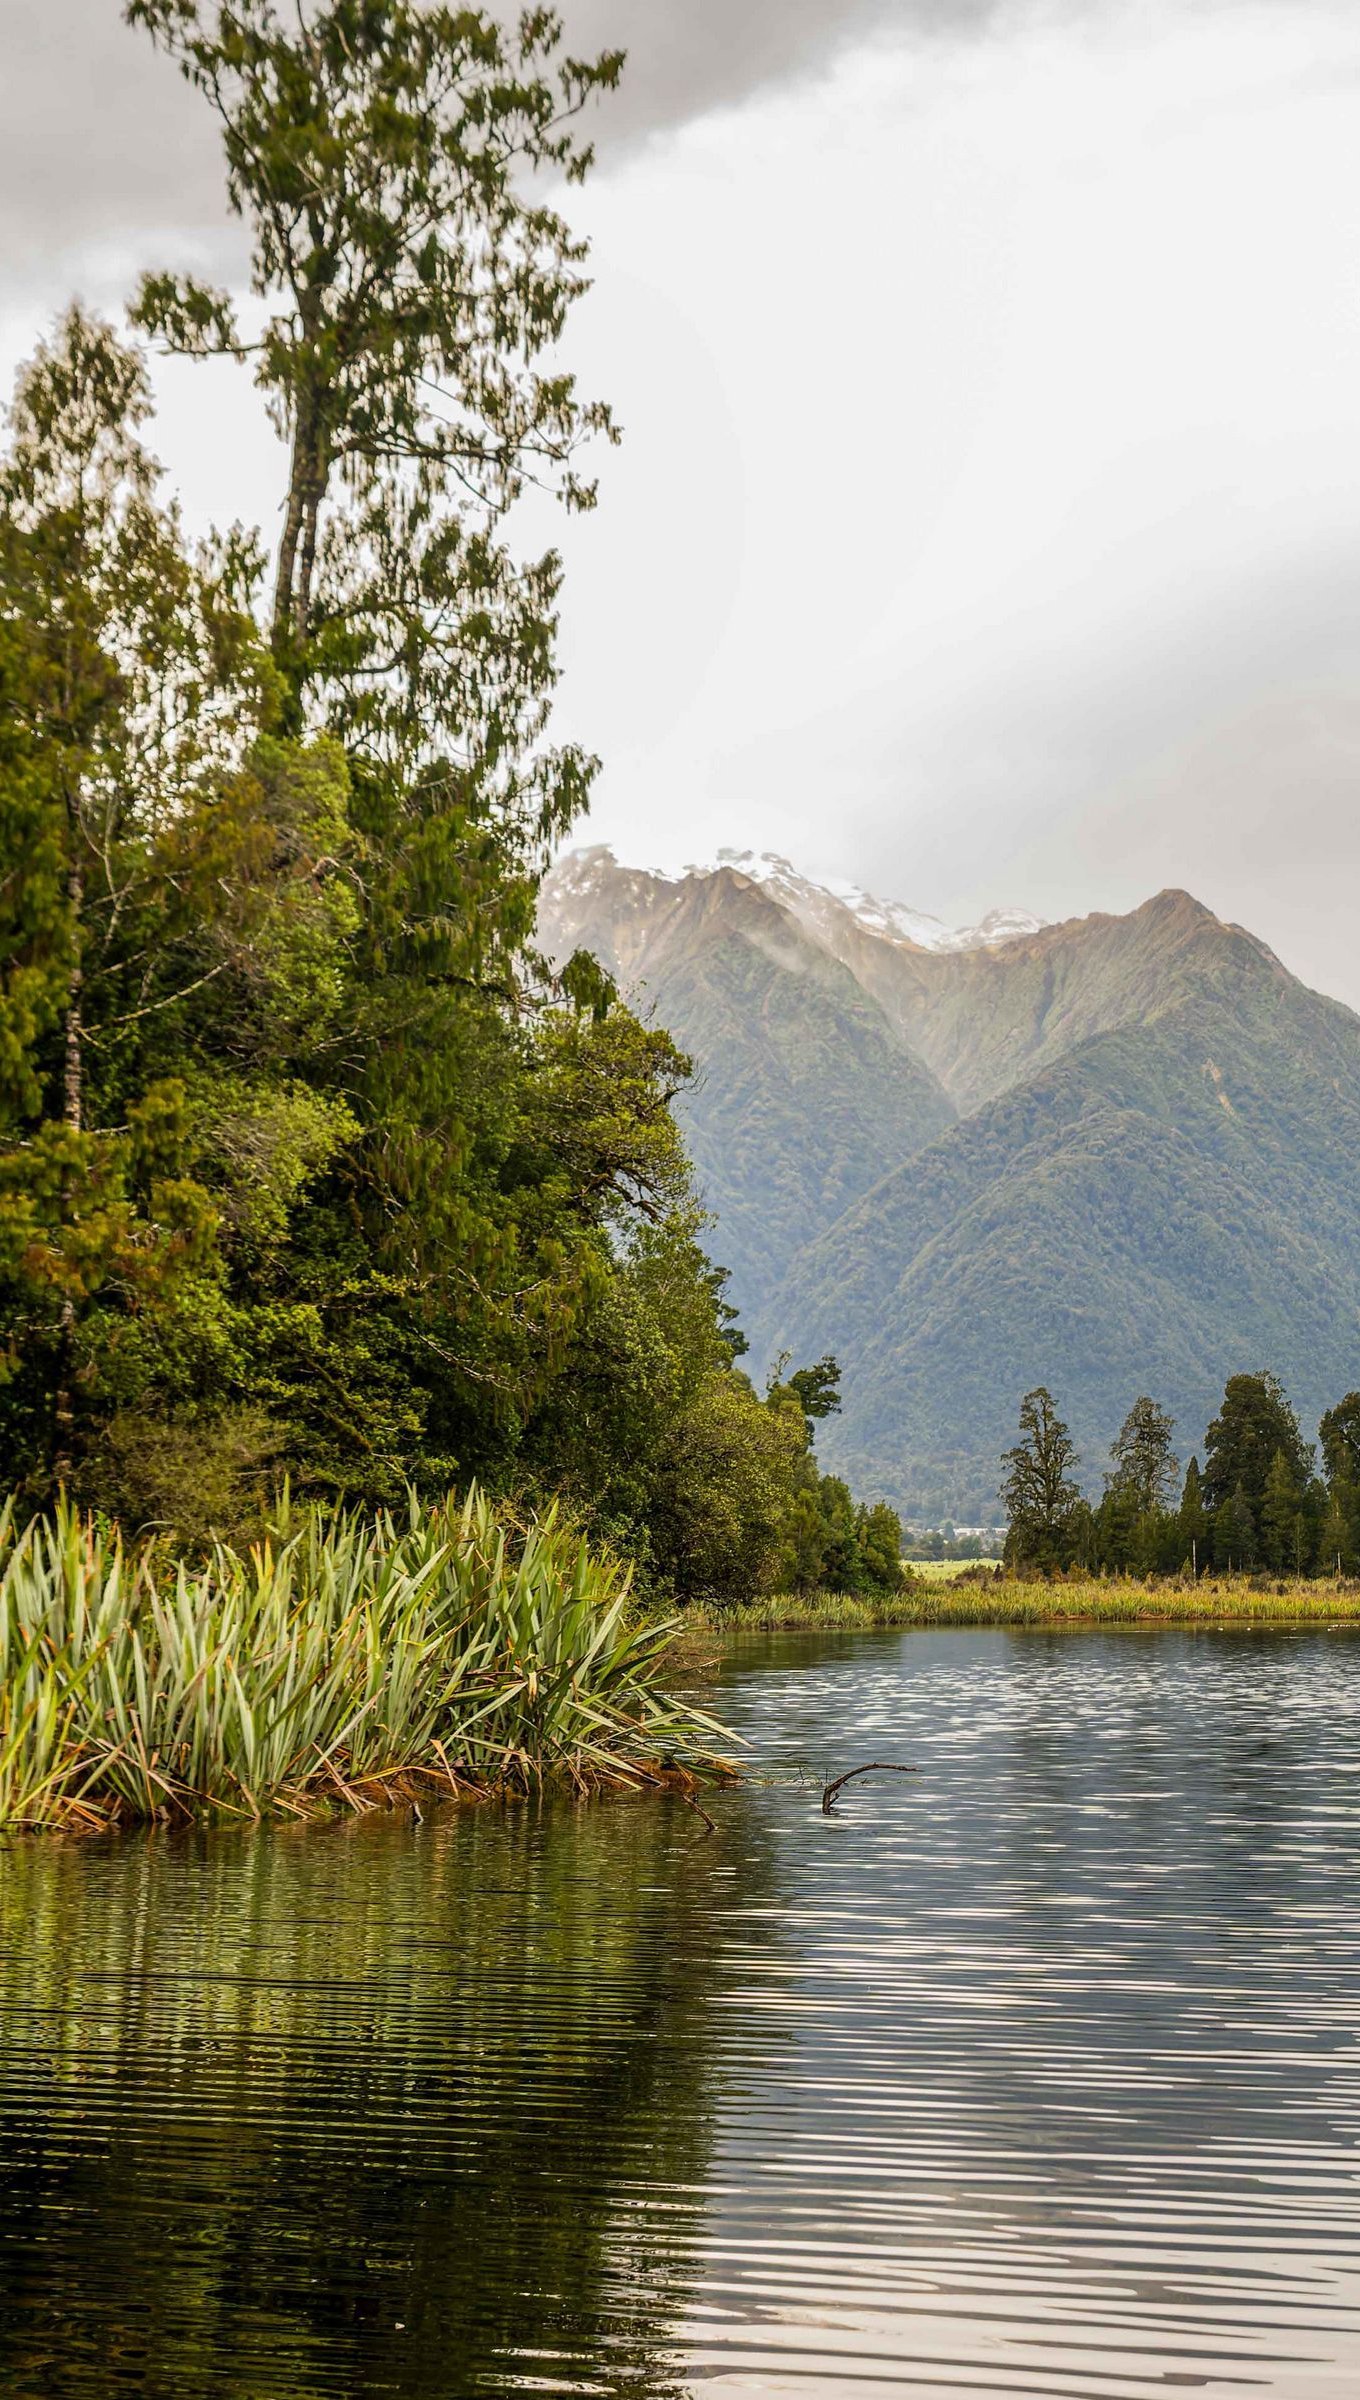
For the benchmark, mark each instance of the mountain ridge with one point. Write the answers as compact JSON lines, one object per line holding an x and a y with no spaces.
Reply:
{"x":1110,"y":1150}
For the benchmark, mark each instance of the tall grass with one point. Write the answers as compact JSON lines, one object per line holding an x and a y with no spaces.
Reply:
{"x":344,"y":1660}
{"x":1005,"y":1600}
{"x":791,"y":1612}
{"x":1223,"y":1600}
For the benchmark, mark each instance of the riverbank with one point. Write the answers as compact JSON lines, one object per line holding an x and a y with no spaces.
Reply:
{"x":1005,"y":1601}
{"x":346,"y":1662}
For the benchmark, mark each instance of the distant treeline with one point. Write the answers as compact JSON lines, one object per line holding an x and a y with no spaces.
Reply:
{"x":1263,"y":1501}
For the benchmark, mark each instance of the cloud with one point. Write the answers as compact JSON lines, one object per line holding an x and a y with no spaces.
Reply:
{"x":99,"y":137}
{"x":101,"y":141}
{"x":688,"y":56}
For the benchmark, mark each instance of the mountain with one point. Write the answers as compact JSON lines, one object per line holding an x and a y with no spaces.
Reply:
{"x":1114,"y":1155}
{"x":818,"y":905}
{"x":807,"y":1095}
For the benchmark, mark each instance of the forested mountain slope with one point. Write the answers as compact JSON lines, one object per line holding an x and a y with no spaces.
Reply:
{"x":806,"y":1096}
{"x":1151,"y":1183}
{"x":1167,"y":1206}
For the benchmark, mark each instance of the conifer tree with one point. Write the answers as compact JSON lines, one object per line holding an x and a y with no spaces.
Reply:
{"x":1339,"y":1434}
{"x":1254,"y":1422}
{"x":1339,"y":1530}
{"x":1235,"y":1533}
{"x":1339,"y":1533}
{"x":1042,"y":1501}
{"x":1192,"y":1524}
{"x":1282,"y":1518}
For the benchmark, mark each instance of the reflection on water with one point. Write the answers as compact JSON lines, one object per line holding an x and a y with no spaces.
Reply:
{"x":393,"y":2109}
{"x":1036,"y":2075}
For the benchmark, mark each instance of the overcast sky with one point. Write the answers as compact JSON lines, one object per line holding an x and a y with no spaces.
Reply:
{"x":988,"y":524}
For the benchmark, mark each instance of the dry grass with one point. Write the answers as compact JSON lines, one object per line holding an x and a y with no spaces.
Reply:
{"x":1235,"y":1600}
{"x":937,"y":1600}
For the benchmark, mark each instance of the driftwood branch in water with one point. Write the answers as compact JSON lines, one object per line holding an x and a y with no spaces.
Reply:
{"x":877,"y":1766}
{"x":691,"y":1802}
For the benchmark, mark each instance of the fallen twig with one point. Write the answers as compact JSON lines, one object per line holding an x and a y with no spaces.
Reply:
{"x":877,"y":1766}
{"x":691,"y":1802}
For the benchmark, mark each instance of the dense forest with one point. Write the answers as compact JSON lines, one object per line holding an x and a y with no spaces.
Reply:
{"x":1262,"y":1502}
{"x":311,"y":1168}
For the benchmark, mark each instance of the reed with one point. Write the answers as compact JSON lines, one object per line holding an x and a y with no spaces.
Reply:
{"x":343,"y":1661}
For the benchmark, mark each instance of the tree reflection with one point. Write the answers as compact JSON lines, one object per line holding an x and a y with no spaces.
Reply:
{"x":382,"y":2109}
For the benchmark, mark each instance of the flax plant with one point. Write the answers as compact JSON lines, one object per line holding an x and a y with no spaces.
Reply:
{"x":345,"y":1659}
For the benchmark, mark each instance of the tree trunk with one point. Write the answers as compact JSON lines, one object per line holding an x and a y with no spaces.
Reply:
{"x":288,"y":547}
{"x":73,"y":1108}
{"x":73,"y":1072}
{"x":303,"y":598}
{"x":297,"y":551}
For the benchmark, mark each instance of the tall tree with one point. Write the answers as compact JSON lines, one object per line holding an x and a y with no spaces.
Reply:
{"x":132,"y":685}
{"x":1339,"y":1534}
{"x":1254,"y":1423}
{"x":1235,"y":1533}
{"x":1142,"y":1462}
{"x":382,"y":154}
{"x":1042,"y":1500}
{"x":1339,"y":1434}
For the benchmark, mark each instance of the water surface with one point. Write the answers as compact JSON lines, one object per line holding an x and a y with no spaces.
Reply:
{"x":1035,"y":2074}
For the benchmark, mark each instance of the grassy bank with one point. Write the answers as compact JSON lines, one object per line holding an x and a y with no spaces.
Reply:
{"x":951,"y":1601}
{"x":792,"y":1612}
{"x":346,"y":1662}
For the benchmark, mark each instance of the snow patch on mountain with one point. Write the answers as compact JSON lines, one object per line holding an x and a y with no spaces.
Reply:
{"x":577,"y":872}
{"x":891,"y":920}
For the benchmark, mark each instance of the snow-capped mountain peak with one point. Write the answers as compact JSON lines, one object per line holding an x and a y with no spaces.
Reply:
{"x":891,"y":920}
{"x":821,"y":908}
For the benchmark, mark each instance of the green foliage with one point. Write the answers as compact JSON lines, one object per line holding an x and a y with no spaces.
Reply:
{"x":1277,"y":1517}
{"x":1339,"y":1531}
{"x":1143,"y":1465}
{"x":1192,"y":1522}
{"x":381,"y":158}
{"x":1135,"y":1529}
{"x":308,"y":1165}
{"x":817,"y":1388}
{"x":1258,"y":1476}
{"x":1235,"y":1532}
{"x":829,"y":1542}
{"x":339,"y":1656}
{"x":1042,"y":1501}
{"x":136,"y":686}
{"x":1255,"y":1428}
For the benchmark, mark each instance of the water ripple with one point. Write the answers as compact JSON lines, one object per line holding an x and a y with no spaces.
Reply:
{"x":1035,"y":2075}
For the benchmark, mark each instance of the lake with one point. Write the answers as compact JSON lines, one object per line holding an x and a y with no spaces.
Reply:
{"x":1034,"y":2074}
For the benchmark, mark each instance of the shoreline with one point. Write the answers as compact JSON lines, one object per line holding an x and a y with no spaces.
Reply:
{"x":1225,"y":1602}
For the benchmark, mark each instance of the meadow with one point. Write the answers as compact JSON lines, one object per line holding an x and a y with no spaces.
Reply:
{"x":939,"y":1594}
